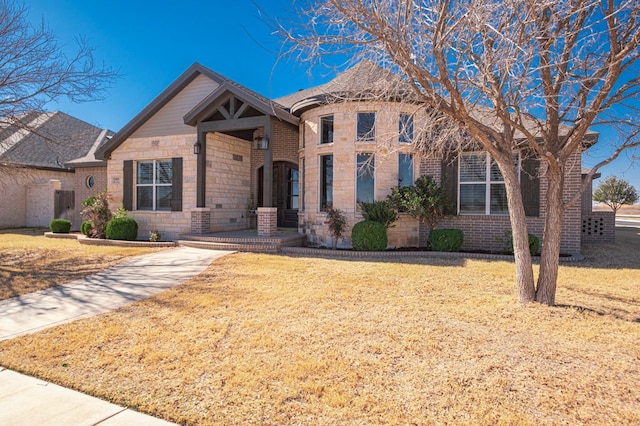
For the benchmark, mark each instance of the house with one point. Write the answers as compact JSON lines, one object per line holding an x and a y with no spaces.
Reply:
{"x":40,"y":179}
{"x":194,"y":161}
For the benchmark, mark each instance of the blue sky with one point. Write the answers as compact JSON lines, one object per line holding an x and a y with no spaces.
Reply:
{"x":152,"y":42}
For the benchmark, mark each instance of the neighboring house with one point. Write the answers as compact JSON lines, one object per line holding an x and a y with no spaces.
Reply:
{"x":190,"y":162}
{"x":40,"y":182}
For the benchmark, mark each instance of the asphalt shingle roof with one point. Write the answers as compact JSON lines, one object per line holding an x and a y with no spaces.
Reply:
{"x":46,"y":140}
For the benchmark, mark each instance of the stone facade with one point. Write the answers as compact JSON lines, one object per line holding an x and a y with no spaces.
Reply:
{"x":344,"y":150}
{"x":170,"y":224}
{"x":231,"y":180}
{"x":481,"y":232}
{"x":228,"y":181}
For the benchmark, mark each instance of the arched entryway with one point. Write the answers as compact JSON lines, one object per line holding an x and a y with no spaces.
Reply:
{"x":286,"y":192}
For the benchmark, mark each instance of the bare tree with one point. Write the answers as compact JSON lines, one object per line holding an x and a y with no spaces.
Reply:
{"x":34,"y":70}
{"x":528,"y":75}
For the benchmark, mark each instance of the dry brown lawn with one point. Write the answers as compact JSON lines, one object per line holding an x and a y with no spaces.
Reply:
{"x":273,"y":340}
{"x":30,"y":262}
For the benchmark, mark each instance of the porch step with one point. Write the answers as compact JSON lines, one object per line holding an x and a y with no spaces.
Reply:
{"x":246,"y":241}
{"x":253,"y":248}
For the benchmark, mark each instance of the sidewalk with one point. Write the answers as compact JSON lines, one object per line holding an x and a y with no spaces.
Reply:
{"x":25,"y":400}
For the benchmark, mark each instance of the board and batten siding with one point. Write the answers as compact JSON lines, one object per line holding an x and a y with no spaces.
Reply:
{"x":168,"y":120}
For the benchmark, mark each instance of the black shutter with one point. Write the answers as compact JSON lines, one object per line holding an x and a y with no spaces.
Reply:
{"x":127,"y":185}
{"x":449,"y":181}
{"x":176,"y":184}
{"x":530,"y":186}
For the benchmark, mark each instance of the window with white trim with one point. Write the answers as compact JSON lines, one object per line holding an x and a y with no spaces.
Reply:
{"x":154,"y":184}
{"x":481,"y":186}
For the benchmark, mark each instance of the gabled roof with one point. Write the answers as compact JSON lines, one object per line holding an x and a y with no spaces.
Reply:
{"x":173,"y":89}
{"x":90,"y":160}
{"x":260,"y":103}
{"x":46,"y":140}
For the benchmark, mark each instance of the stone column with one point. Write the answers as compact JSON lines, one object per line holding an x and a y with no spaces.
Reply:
{"x":267,"y":221}
{"x":201,"y":220}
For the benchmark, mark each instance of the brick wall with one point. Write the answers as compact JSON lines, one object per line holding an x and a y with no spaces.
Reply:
{"x":284,"y":145}
{"x":82,"y":191}
{"x":598,"y":227}
{"x":267,"y":221}
{"x":15,"y":200}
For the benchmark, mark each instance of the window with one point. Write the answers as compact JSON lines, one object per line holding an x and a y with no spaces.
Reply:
{"x":293,"y":187}
{"x":405,"y":169}
{"x":405,"y":128}
{"x":154,"y":184}
{"x":326,"y":129}
{"x":90,"y":181}
{"x":365,"y":180}
{"x":326,"y":182}
{"x":301,"y":183}
{"x":366,"y":126}
{"x":482,"y":188}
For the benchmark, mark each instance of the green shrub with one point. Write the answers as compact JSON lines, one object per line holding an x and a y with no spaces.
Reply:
{"x":446,"y":239}
{"x":60,"y":226}
{"x":507,"y":243}
{"x":122,"y":228}
{"x":369,"y":236}
{"x":380,"y":211}
{"x":425,"y":200}
{"x":86,"y":227}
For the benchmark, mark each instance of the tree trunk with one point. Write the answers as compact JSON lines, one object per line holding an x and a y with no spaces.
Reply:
{"x":524,"y":268}
{"x":550,"y":256}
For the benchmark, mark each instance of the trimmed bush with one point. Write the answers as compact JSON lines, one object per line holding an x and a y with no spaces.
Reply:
{"x":86,"y":227}
{"x":446,"y":239}
{"x":380,"y":211}
{"x":122,"y":228}
{"x":60,"y":226}
{"x":369,"y":236}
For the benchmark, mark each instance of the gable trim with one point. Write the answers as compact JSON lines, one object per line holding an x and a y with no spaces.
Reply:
{"x":210,"y":104}
{"x":104,"y":152}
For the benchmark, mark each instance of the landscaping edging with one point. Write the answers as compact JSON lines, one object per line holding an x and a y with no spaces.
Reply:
{"x":64,"y":236}
{"x":83,"y":239}
{"x":309,"y":251}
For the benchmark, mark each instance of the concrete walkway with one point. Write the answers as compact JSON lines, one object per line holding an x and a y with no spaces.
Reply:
{"x":25,"y":400}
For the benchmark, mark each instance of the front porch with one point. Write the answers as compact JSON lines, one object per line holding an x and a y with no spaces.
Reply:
{"x":246,"y":240}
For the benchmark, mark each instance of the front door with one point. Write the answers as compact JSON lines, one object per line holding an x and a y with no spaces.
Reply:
{"x":285,"y":192}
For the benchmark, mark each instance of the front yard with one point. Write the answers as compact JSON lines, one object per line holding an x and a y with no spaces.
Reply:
{"x":263,"y":339}
{"x":30,"y":262}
